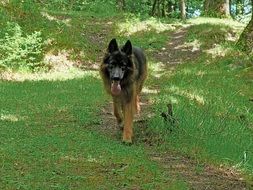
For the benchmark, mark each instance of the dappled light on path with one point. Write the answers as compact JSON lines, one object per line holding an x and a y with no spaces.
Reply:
{"x":134,"y":25}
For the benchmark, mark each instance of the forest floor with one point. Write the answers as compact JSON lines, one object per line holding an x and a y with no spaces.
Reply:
{"x":196,"y":174}
{"x":58,"y":130}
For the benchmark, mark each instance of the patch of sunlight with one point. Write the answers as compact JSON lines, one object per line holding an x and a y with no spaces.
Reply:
{"x":157,"y":69}
{"x":91,"y":159}
{"x":201,"y":73}
{"x":71,"y":159}
{"x":9,"y":117}
{"x":134,"y":25}
{"x":146,"y":90}
{"x":4,"y":2}
{"x":73,"y":73}
{"x":217,"y":51}
{"x":186,"y":93}
{"x":54,"y":18}
{"x":186,"y":71}
{"x":60,"y":62}
{"x":62,"y":68}
{"x":195,"y":46}
{"x":229,"y":22}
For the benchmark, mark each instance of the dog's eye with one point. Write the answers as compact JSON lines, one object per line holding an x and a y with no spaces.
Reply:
{"x":110,"y":66}
{"x":123,"y":68}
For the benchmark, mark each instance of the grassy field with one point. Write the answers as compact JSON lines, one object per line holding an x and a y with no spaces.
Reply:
{"x":50,"y":137}
{"x":213,"y":111}
{"x":47,"y":141}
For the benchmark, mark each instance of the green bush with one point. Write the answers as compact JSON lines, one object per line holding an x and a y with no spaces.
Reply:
{"x":19,"y":52}
{"x":90,"y":7}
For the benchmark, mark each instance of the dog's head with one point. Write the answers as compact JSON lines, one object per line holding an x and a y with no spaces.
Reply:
{"x":118,"y":64}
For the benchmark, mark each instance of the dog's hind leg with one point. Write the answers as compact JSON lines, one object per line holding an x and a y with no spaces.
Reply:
{"x":118,"y":113}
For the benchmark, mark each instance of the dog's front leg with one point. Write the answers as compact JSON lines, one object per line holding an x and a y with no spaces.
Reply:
{"x":128,"y":110}
{"x":118,"y":113}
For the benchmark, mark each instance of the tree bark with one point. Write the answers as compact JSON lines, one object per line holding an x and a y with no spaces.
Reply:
{"x":158,"y":8}
{"x":170,"y":8}
{"x":216,"y":8}
{"x":246,"y":38}
{"x":153,"y":8}
{"x":163,"y":8}
{"x":183,"y":9}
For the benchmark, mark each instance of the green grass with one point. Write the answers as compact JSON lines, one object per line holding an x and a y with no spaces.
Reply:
{"x":47,"y":141}
{"x":213,"y":111}
{"x":47,"y":136}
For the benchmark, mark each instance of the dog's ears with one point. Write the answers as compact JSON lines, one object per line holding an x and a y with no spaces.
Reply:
{"x":127,"y":48}
{"x":113,"y":46}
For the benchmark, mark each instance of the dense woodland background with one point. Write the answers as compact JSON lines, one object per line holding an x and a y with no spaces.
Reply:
{"x":15,"y":13}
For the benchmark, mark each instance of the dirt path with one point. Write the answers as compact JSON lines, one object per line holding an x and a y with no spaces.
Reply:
{"x":199,"y":176}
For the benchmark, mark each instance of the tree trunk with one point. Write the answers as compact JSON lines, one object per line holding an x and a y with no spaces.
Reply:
{"x":153,"y":8}
{"x":170,"y":8}
{"x":163,"y":8}
{"x":216,"y":8}
{"x":246,"y":39}
{"x":183,"y":9}
{"x":157,"y":8}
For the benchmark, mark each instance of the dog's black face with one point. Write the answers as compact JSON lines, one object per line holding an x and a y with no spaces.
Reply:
{"x":118,"y":63}
{"x":117,"y":66}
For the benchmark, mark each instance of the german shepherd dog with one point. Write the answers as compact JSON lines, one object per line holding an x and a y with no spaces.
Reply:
{"x":124,"y":71}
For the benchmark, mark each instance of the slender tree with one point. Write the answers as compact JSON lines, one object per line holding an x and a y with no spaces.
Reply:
{"x":216,"y":8}
{"x":163,"y":8}
{"x":158,"y":8}
{"x":246,"y":38}
{"x":170,"y":8}
{"x":183,"y":9}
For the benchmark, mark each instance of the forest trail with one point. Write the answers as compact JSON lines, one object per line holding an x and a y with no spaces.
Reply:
{"x":197,"y":175}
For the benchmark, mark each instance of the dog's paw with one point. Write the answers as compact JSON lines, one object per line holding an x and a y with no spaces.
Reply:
{"x":127,"y":142}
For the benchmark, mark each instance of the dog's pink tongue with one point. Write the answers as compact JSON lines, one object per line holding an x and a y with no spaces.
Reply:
{"x":115,"y":88}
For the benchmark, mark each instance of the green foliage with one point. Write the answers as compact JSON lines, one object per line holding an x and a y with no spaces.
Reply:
{"x":19,"y":52}
{"x":98,"y":8}
{"x":142,"y":7}
{"x":212,"y":108}
{"x":208,"y":34}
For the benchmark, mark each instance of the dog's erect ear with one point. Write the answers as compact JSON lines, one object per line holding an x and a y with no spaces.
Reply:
{"x":127,"y":48}
{"x":113,"y":46}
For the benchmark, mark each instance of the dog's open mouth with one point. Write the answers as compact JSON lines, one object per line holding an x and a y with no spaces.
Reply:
{"x":115,"y":88}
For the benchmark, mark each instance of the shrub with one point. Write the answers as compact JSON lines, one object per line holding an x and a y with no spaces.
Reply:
{"x":19,"y":52}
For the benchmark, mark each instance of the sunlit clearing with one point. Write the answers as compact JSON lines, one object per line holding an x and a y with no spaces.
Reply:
{"x":73,"y":73}
{"x":194,"y":46}
{"x":157,"y":69}
{"x":217,"y":51}
{"x":134,"y":25}
{"x":230,"y":22}
{"x":60,"y":62}
{"x":186,"y":93}
{"x":54,"y":18}
{"x":62,"y":68}
{"x":150,"y":91}
{"x":9,"y":117}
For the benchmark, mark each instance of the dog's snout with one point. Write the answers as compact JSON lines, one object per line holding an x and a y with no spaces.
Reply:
{"x":116,"y":78}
